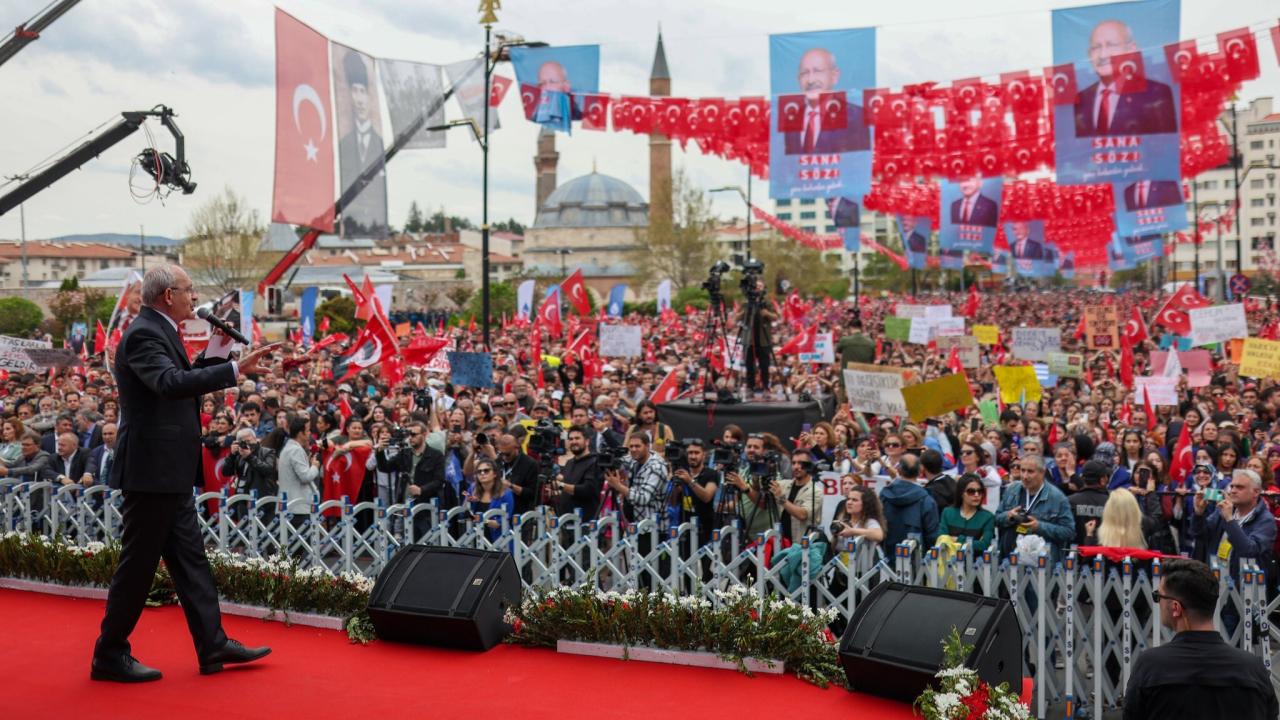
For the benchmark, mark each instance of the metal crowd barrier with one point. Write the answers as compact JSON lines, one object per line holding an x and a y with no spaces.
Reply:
{"x":1084,"y":622}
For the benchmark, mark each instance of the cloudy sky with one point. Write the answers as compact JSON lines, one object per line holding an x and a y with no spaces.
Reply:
{"x":213,"y":61}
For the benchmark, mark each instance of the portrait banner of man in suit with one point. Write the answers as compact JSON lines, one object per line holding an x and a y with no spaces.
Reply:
{"x":970,"y":214}
{"x":1122,"y":128}
{"x":1030,"y":255}
{"x":564,"y":76}
{"x":914,"y":232}
{"x":361,"y":152}
{"x":819,"y":142}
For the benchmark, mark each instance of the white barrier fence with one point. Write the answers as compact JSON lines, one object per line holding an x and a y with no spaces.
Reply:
{"x":1084,"y":622}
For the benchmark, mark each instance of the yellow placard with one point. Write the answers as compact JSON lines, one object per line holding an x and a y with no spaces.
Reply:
{"x":1260,"y":358}
{"x":986,"y":334}
{"x":1014,"y":380}
{"x":937,"y":397}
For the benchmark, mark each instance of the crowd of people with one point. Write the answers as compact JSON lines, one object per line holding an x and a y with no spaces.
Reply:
{"x":1081,"y":466}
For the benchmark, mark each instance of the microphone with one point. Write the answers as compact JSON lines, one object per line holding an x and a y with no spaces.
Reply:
{"x":204,"y":312}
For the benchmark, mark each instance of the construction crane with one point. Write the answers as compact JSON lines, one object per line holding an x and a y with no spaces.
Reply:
{"x":29,"y":31}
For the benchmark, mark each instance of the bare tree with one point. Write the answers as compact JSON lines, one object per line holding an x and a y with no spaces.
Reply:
{"x":681,"y":248}
{"x":222,"y":243}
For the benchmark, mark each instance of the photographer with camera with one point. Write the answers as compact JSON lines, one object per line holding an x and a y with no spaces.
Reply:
{"x":580,"y":480}
{"x":800,"y":500}
{"x":1034,"y":507}
{"x":419,"y":472}
{"x":254,"y":468}
{"x":517,"y":470}
{"x":638,"y":483}
{"x":753,"y":482}
{"x":694,"y":490}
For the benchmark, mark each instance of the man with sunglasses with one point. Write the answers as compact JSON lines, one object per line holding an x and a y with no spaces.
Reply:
{"x":1196,"y":674}
{"x":418,"y":473}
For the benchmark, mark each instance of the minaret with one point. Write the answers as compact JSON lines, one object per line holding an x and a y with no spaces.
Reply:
{"x":544,"y":165}
{"x":659,"y":144}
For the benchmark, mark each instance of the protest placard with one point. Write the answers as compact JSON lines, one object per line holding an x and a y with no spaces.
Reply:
{"x":472,"y":369}
{"x":937,"y":397}
{"x":986,"y":334}
{"x":1217,"y":323}
{"x":1018,"y":383}
{"x":1161,"y":390}
{"x":967,"y":348}
{"x":620,"y":341}
{"x":1065,"y":364}
{"x":875,"y":391}
{"x":13,"y":356}
{"x":824,"y":351}
{"x":1102,"y":327}
{"x":1260,"y":358}
{"x":1035,"y":343}
{"x":921,"y":331}
{"x":948,"y":327}
{"x":897,"y":328}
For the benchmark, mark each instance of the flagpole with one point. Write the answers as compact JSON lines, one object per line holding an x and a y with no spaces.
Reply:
{"x":488,"y":19}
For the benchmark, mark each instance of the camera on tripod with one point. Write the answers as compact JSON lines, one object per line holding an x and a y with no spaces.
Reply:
{"x":545,"y":440}
{"x":676,"y":453}
{"x":728,"y":456}
{"x":752,"y":270}
{"x":712,"y":283}
{"x":611,"y":457}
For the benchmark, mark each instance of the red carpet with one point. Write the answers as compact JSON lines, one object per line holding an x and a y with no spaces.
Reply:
{"x":47,"y":640}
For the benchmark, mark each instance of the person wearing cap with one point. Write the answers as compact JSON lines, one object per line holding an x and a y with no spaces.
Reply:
{"x":1088,"y":502}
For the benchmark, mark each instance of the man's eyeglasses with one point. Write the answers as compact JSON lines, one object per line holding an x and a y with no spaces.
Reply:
{"x":967,"y":451}
{"x":188,"y":289}
{"x":1158,"y":596}
{"x":893,"y":444}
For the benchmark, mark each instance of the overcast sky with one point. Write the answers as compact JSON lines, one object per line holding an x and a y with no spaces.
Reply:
{"x":213,"y":61}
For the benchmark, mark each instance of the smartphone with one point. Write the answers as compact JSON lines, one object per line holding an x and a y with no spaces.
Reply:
{"x":805,"y":427}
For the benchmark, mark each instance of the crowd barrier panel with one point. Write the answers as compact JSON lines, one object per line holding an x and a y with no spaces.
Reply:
{"x":1084,"y":620}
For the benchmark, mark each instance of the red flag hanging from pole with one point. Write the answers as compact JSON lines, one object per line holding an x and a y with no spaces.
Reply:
{"x":1151,"y":411}
{"x":576,"y":290}
{"x":99,"y":339}
{"x":1182,"y":458}
{"x":1135,"y":331}
{"x":549,"y":314}
{"x":303,"y":192}
{"x":667,"y":390}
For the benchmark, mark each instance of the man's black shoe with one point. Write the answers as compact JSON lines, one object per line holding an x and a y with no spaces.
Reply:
{"x":231,"y":653}
{"x":125,"y":670}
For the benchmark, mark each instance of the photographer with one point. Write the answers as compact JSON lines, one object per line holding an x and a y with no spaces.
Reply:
{"x":518,"y":470}
{"x":580,"y":480}
{"x":800,"y":499}
{"x":696,"y":489}
{"x":254,"y":468}
{"x":297,"y":470}
{"x":758,"y":511}
{"x":419,"y":474}
{"x":638,"y":484}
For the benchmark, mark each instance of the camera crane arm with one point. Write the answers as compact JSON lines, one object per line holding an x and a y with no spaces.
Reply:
{"x":29,"y":32}
{"x":129,"y":123}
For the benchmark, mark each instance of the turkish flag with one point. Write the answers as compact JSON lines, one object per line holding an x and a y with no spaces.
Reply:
{"x":1275,"y":41}
{"x":667,"y":390}
{"x":1151,"y":411}
{"x":671,"y":117}
{"x":640,"y":111}
{"x":1130,"y":73}
{"x":498,"y":89}
{"x":835,"y":110}
{"x":971,"y":305}
{"x":303,"y":192}
{"x":875,"y":105}
{"x":422,"y":349}
{"x":1182,"y":462}
{"x":549,"y":314}
{"x":801,"y":343}
{"x":576,"y":290}
{"x":791,"y":113}
{"x":530,"y":96}
{"x":1187,"y":298}
{"x":1135,"y":331}
{"x":953,"y":361}
{"x":343,"y":476}
{"x":1126,"y":361}
{"x":99,"y":339}
{"x":1241,"y":52}
{"x":1062,"y":78}
{"x":595,"y":112}
{"x":1182,"y":57}
{"x":362,"y":296}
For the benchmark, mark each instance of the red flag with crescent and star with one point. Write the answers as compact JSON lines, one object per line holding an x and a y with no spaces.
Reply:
{"x":304,"y":184}
{"x":549,"y":315}
{"x":1135,"y":331}
{"x":575,"y":289}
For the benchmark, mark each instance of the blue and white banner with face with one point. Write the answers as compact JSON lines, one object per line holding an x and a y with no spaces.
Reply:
{"x":819,"y":142}
{"x":970,"y":212}
{"x":914,"y":232}
{"x":562,"y":76}
{"x":1030,"y":254}
{"x":1122,"y":126}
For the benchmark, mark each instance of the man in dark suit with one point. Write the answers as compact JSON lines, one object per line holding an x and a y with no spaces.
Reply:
{"x":365,"y":216}
{"x":69,"y":462}
{"x":1152,"y":194}
{"x":157,"y":463}
{"x":819,"y":74}
{"x":1023,"y":246}
{"x":843,"y":212}
{"x":102,"y":457}
{"x":915,"y":241}
{"x":88,"y":428}
{"x":974,"y":208}
{"x":66,"y":423}
{"x":1102,"y":110}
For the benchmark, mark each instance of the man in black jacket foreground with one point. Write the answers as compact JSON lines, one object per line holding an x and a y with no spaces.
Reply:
{"x":157,"y":464}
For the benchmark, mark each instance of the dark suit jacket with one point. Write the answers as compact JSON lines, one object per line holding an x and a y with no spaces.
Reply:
{"x":95,"y":437}
{"x":94,"y":465}
{"x":846,"y":214}
{"x":524,"y":472}
{"x":917,"y":243}
{"x":985,"y":212}
{"x":1147,"y":112}
{"x":366,"y":213}
{"x":853,"y":137}
{"x":1033,"y":251}
{"x":79,"y":464}
{"x":1161,"y":193}
{"x":158,"y":445}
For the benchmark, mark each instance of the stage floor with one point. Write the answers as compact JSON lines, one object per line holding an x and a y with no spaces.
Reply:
{"x":311,"y":673}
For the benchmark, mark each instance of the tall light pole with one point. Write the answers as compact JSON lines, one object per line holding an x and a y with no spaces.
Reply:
{"x":22,"y":225}
{"x":746,"y":198}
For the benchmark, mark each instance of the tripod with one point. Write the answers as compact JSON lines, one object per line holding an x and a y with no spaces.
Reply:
{"x":750,"y":333}
{"x":714,"y":327}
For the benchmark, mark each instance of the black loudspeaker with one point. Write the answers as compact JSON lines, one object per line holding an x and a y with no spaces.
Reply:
{"x":453,"y":597}
{"x":893,"y":644}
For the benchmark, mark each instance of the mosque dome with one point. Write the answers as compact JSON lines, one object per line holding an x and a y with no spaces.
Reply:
{"x":593,"y":201}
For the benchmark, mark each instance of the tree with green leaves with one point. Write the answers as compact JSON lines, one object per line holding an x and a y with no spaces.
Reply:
{"x":222,"y":243}
{"x":510,"y":225}
{"x":680,"y":249}
{"x":341,"y":312}
{"x":502,"y":300}
{"x":415,"y":222}
{"x":436,"y":223}
{"x":19,"y":316}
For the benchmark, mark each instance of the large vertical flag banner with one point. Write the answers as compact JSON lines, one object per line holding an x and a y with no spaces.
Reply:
{"x":307,"y":313}
{"x":524,"y":299}
{"x":361,"y":152}
{"x":617,"y":295}
{"x":1030,"y":254}
{"x":415,"y":96}
{"x":819,"y":142}
{"x":557,"y":80}
{"x":970,"y":214}
{"x":303,"y":193}
{"x":914,"y":232}
{"x":1122,"y":125}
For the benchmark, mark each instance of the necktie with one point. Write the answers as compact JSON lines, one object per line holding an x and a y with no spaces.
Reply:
{"x":105,"y":473}
{"x":1104,"y":112}
{"x":811,"y":131}
{"x":968,"y":209}
{"x":1142,"y":194}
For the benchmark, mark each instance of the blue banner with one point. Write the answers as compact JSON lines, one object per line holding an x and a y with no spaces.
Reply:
{"x":307,"y":313}
{"x":1030,"y":254}
{"x":616,"y":295}
{"x":914,"y":232}
{"x":970,"y":211}
{"x":1121,"y":124}
{"x":950,"y":259}
{"x":561,"y":76}
{"x":819,"y":142}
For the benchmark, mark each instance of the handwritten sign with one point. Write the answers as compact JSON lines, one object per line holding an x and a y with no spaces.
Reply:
{"x":52,"y":357}
{"x":1017,"y":383}
{"x":948,"y":327}
{"x":1102,"y":327}
{"x":928,"y":312}
{"x":824,"y":351}
{"x":1065,"y":364}
{"x":986,"y":334}
{"x":1217,"y":323}
{"x":1197,"y":363}
{"x":937,"y":397}
{"x":620,"y":341}
{"x":897,"y":328}
{"x":967,"y":349}
{"x":1161,"y":390}
{"x":878,"y":392}
{"x":13,"y":355}
{"x":921,"y":331}
{"x":1035,"y":343}
{"x":1260,"y":358}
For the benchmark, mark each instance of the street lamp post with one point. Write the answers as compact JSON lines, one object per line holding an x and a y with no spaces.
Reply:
{"x":746,"y":198}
